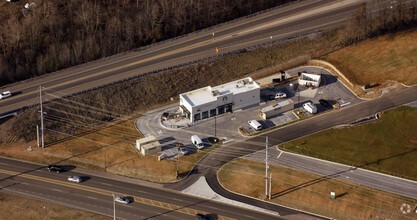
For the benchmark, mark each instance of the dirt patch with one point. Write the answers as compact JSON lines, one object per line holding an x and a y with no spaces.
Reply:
{"x":16,"y":207}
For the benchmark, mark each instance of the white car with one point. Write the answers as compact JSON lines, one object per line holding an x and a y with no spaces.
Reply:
{"x":122,"y":200}
{"x":280,"y":95}
{"x":5,"y":94}
{"x":75,"y":179}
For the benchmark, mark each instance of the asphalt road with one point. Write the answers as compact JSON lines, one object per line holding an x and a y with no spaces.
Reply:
{"x":209,"y":165}
{"x":293,"y":20}
{"x":96,"y":193}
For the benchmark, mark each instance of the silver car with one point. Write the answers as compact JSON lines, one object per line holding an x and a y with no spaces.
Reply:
{"x":121,"y":199}
{"x":75,"y":179}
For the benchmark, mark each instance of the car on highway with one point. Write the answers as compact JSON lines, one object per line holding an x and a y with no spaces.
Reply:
{"x":5,"y":94}
{"x":75,"y":179}
{"x":184,"y":151}
{"x":200,"y":216}
{"x":122,"y":200}
{"x":55,"y":168}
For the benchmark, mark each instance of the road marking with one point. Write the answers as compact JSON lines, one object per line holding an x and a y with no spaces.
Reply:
{"x":280,"y":154}
{"x":146,"y":201}
{"x":107,"y":184}
{"x":58,"y":190}
{"x":92,"y":197}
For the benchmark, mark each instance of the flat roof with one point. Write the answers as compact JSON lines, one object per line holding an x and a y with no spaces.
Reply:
{"x":148,"y":142}
{"x":209,"y":94}
{"x":276,"y":106}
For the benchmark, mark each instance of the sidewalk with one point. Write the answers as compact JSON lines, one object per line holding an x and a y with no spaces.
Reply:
{"x":203,"y":190}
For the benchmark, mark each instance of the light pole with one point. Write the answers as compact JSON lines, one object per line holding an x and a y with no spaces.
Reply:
{"x":114,"y":208}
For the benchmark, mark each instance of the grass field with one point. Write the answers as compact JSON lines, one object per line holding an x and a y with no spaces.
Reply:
{"x":16,"y":207}
{"x":376,"y":61}
{"x":108,"y":149}
{"x":388,"y":145}
{"x":312,"y":193}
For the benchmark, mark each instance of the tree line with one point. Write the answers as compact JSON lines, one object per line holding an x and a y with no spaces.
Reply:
{"x":53,"y":35}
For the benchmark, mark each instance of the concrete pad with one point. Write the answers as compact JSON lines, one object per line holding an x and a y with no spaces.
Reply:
{"x":203,"y":190}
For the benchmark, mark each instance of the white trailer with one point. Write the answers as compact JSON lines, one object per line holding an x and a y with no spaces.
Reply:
{"x":310,"y":107}
{"x":276,"y":109}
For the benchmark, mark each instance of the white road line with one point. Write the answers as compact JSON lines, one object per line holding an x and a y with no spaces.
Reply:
{"x":58,"y":190}
{"x":107,"y":184}
{"x":280,"y":154}
{"x":92,"y":197}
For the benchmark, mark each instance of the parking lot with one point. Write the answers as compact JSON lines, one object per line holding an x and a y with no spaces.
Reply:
{"x":227,"y":126}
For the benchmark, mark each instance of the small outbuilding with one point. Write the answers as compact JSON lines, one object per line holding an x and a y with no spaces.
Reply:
{"x":276,"y":109}
{"x":148,"y":145}
{"x":309,"y":79}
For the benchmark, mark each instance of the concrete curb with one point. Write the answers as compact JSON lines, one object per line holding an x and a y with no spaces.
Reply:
{"x":217,"y":176}
{"x":347,"y":166}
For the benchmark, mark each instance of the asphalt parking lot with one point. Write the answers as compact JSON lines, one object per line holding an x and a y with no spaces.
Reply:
{"x":227,"y":126}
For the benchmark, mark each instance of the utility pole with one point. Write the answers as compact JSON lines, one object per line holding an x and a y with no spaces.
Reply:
{"x":42,"y":129}
{"x":270,"y":185}
{"x":114,"y":209}
{"x":178,"y":160}
{"x":266,"y":167}
{"x":37,"y":135}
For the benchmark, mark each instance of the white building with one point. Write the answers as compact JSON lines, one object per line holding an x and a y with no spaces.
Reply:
{"x":148,"y":145}
{"x":276,"y":109}
{"x":211,"y":101}
{"x":309,"y":79}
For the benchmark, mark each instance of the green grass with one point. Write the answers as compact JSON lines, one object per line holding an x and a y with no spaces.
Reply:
{"x":388,"y":145}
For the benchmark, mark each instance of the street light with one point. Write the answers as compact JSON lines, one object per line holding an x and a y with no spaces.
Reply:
{"x":114,"y":208}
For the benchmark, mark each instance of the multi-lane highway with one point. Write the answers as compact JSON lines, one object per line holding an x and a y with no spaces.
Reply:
{"x":96,"y":194}
{"x":294,"y":20}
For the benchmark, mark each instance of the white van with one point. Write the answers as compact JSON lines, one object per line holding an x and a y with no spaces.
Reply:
{"x":197,"y":142}
{"x":310,"y":107}
{"x":255,"y":124}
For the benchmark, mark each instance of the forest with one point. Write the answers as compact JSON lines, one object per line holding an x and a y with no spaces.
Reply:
{"x":52,"y":35}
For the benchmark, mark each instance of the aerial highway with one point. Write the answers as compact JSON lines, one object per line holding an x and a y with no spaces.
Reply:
{"x":294,"y":20}
{"x":95,"y":194}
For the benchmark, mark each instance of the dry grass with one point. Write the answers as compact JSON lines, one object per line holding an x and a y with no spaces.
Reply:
{"x":377,"y":61}
{"x":14,"y":207}
{"x":108,"y":149}
{"x":312,"y":193}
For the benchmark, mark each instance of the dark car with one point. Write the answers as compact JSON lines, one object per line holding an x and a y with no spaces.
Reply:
{"x":54,"y":168}
{"x":200,"y":216}
{"x":325,"y":103}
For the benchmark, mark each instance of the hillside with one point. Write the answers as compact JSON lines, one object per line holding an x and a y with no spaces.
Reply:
{"x":391,"y":57}
{"x":53,"y":35}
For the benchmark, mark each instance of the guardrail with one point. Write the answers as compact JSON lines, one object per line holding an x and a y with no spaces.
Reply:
{"x":154,"y":44}
{"x":177,"y":66}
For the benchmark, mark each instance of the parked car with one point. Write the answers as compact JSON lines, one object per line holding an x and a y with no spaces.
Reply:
{"x":184,"y":151}
{"x":255,"y":125}
{"x":5,"y":94}
{"x":280,"y":95}
{"x":197,"y":142}
{"x":75,"y":179}
{"x":325,"y":103}
{"x":122,"y":200}
{"x":55,"y":168}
